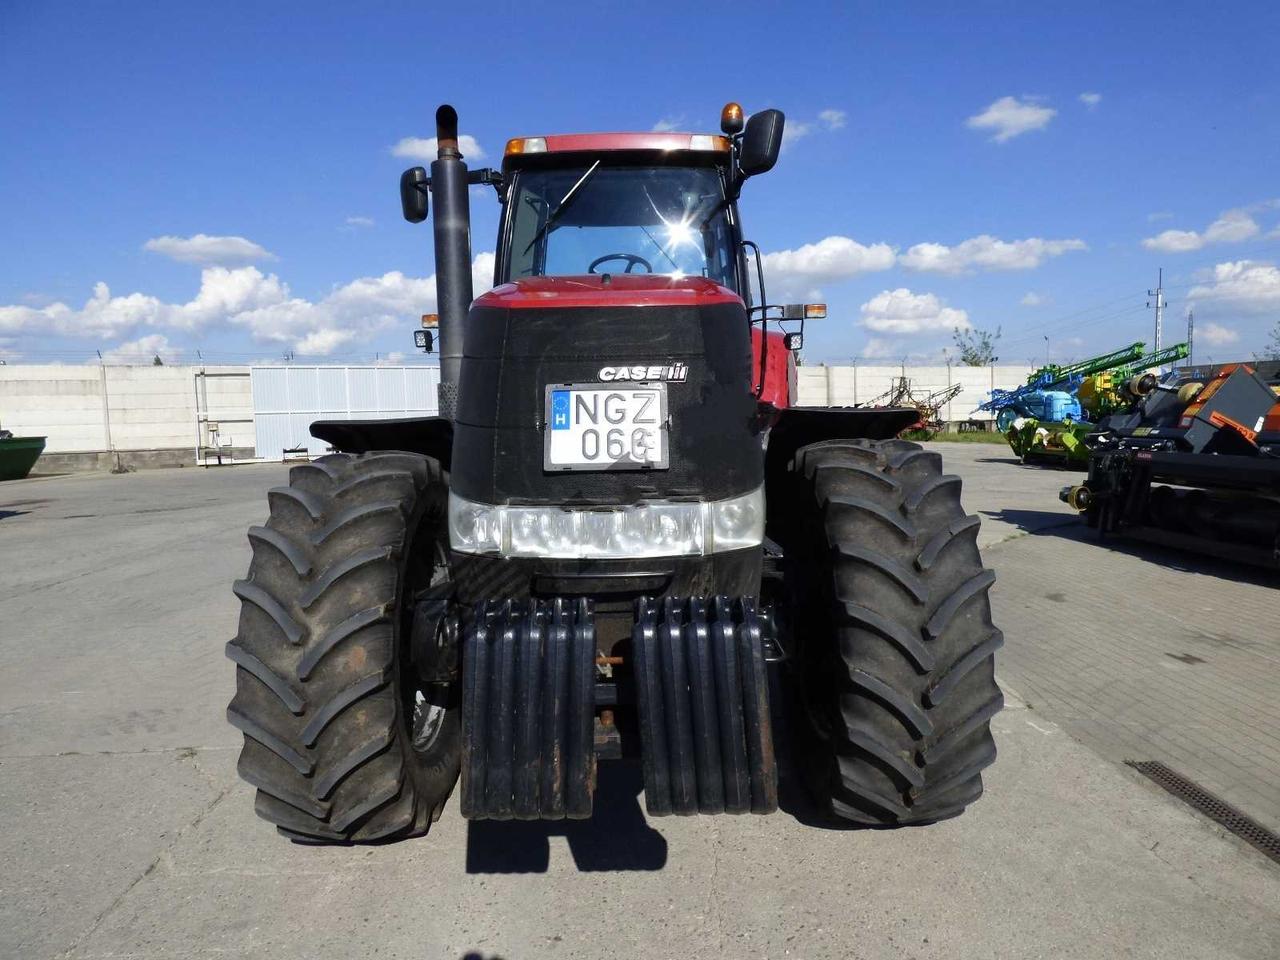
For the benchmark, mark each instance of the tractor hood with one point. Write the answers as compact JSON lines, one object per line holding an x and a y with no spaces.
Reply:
{"x":687,"y":335}
{"x":611,"y":290}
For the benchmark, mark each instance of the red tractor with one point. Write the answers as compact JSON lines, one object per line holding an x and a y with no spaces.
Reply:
{"x":619,"y":538}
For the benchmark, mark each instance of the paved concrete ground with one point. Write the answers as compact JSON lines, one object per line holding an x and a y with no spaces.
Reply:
{"x":1143,"y":653}
{"x":126,"y":833}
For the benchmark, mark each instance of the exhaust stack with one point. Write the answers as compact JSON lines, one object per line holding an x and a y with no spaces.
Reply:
{"x":453,"y":253}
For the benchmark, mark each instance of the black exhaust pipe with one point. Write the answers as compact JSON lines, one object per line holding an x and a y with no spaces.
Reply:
{"x":453,"y":253}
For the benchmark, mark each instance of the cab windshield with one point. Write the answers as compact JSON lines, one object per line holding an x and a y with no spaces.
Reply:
{"x":596,"y":218}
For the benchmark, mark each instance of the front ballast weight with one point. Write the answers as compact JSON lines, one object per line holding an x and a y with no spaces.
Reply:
{"x":530,"y":692}
{"x":528,"y":711}
{"x":703,"y":698}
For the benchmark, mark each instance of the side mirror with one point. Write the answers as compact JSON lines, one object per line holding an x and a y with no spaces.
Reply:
{"x":761,"y":142}
{"x":413,"y":194}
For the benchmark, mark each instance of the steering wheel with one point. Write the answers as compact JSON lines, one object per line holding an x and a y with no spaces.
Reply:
{"x":630,"y":258}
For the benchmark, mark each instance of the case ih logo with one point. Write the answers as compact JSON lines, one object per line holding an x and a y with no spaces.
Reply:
{"x":675,"y":372}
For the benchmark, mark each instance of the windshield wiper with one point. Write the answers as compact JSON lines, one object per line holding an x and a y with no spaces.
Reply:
{"x":567,"y":199}
{"x":662,"y":251}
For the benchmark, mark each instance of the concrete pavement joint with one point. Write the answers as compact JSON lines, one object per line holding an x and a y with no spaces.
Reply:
{"x":147,"y":871}
{"x":179,"y":752}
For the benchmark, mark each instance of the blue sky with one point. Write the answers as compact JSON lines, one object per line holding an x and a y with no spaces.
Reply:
{"x":222,"y":177}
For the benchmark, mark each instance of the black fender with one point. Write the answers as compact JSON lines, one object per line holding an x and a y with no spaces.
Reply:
{"x":432,"y":436}
{"x":796,"y":427}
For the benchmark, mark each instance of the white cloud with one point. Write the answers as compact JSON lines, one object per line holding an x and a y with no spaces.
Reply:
{"x":425,"y":149}
{"x":1234,"y":226}
{"x":877,"y":347}
{"x":794,"y":130}
{"x":986,"y":253}
{"x":1216,"y":335}
{"x":206,"y":250}
{"x":1031,"y":299}
{"x":1091,"y":100}
{"x":482,"y":273}
{"x":143,"y":350}
{"x":901,"y":311}
{"x":668,"y":124}
{"x":833,"y":119}
{"x":1159,"y":215}
{"x":248,"y":300}
{"x":828,"y":120}
{"x":1247,"y":285}
{"x":802,"y":271}
{"x":360,"y":221}
{"x":1010,"y":117}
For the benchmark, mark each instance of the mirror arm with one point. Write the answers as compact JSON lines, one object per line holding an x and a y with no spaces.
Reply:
{"x":734,"y":178}
{"x":764,"y":317}
{"x":490,"y":176}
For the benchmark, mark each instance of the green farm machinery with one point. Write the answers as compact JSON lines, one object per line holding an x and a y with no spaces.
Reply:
{"x":1047,"y":419}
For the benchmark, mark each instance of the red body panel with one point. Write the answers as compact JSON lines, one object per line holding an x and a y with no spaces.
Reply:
{"x":625,"y":290}
{"x":779,"y":368}
{"x":599,"y":142}
{"x":622,"y":290}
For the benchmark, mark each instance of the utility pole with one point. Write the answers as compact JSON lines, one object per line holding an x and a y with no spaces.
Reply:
{"x":1191,"y":337}
{"x":1159,"y":304}
{"x":1046,"y":350}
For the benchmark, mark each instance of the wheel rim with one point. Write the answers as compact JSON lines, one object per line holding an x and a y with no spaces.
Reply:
{"x":428,"y":721}
{"x":426,"y":705}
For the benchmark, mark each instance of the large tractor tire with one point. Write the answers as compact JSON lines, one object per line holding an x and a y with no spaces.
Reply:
{"x":341,"y":740}
{"x":894,"y":668}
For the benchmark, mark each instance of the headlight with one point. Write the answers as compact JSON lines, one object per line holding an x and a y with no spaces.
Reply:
{"x":655,"y":528}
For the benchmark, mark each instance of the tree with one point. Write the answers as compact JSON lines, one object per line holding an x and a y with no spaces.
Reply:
{"x":1273,"y":348}
{"x":156,"y":361}
{"x":977,"y":347}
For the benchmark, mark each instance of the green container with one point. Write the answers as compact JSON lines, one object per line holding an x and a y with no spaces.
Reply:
{"x":18,"y":456}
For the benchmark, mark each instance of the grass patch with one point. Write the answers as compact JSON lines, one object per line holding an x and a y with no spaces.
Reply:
{"x":974,"y":436}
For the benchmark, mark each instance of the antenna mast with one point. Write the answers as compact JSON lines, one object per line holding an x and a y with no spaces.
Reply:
{"x":1159,"y":304}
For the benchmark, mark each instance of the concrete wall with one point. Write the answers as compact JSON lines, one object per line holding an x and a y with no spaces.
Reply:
{"x":82,"y":408}
{"x":823,"y":386}
{"x":89,"y":409}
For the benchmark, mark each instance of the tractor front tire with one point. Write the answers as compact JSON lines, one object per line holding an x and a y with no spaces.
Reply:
{"x":894,"y":668}
{"x":325,"y":694}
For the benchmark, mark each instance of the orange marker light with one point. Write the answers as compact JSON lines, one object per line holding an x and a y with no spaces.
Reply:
{"x":731,"y":120}
{"x":815,"y":311}
{"x":526,"y":145}
{"x":431,"y":320}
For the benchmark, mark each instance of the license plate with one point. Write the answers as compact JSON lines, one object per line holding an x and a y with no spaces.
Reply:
{"x":589,"y":427}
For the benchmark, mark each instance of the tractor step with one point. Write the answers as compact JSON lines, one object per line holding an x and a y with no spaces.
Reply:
{"x":528,"y":711}
{"x":703,"y":698}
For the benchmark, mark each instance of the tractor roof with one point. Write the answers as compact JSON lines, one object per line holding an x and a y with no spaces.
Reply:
{"x":713,"y":146}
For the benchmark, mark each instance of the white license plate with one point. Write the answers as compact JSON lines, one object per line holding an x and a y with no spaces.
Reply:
{"x":590,"y":427}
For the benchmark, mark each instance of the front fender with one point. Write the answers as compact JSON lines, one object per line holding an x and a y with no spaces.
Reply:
{"x":432,"y":436}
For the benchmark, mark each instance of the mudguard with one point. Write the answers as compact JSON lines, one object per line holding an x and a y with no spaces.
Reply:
{"x":796,"y":427}
{"x":432,"y":436}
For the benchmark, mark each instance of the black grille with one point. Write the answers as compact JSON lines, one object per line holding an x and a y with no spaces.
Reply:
{"x":512,"y":355}
{"x":1216,"y":809}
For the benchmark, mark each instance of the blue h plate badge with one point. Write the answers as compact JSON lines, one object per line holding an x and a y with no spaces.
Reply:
{"x":559,"y":409}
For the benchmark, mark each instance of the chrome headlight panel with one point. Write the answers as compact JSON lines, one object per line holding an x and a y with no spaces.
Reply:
{"x":655,"y":528}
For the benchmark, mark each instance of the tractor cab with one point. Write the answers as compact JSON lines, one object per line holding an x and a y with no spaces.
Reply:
{"x":651,"y":205}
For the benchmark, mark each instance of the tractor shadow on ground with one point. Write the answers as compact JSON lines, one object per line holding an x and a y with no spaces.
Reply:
{"x":616,"y":838}
{"x":1055,"y":522}
{"x":1067,"y":527}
